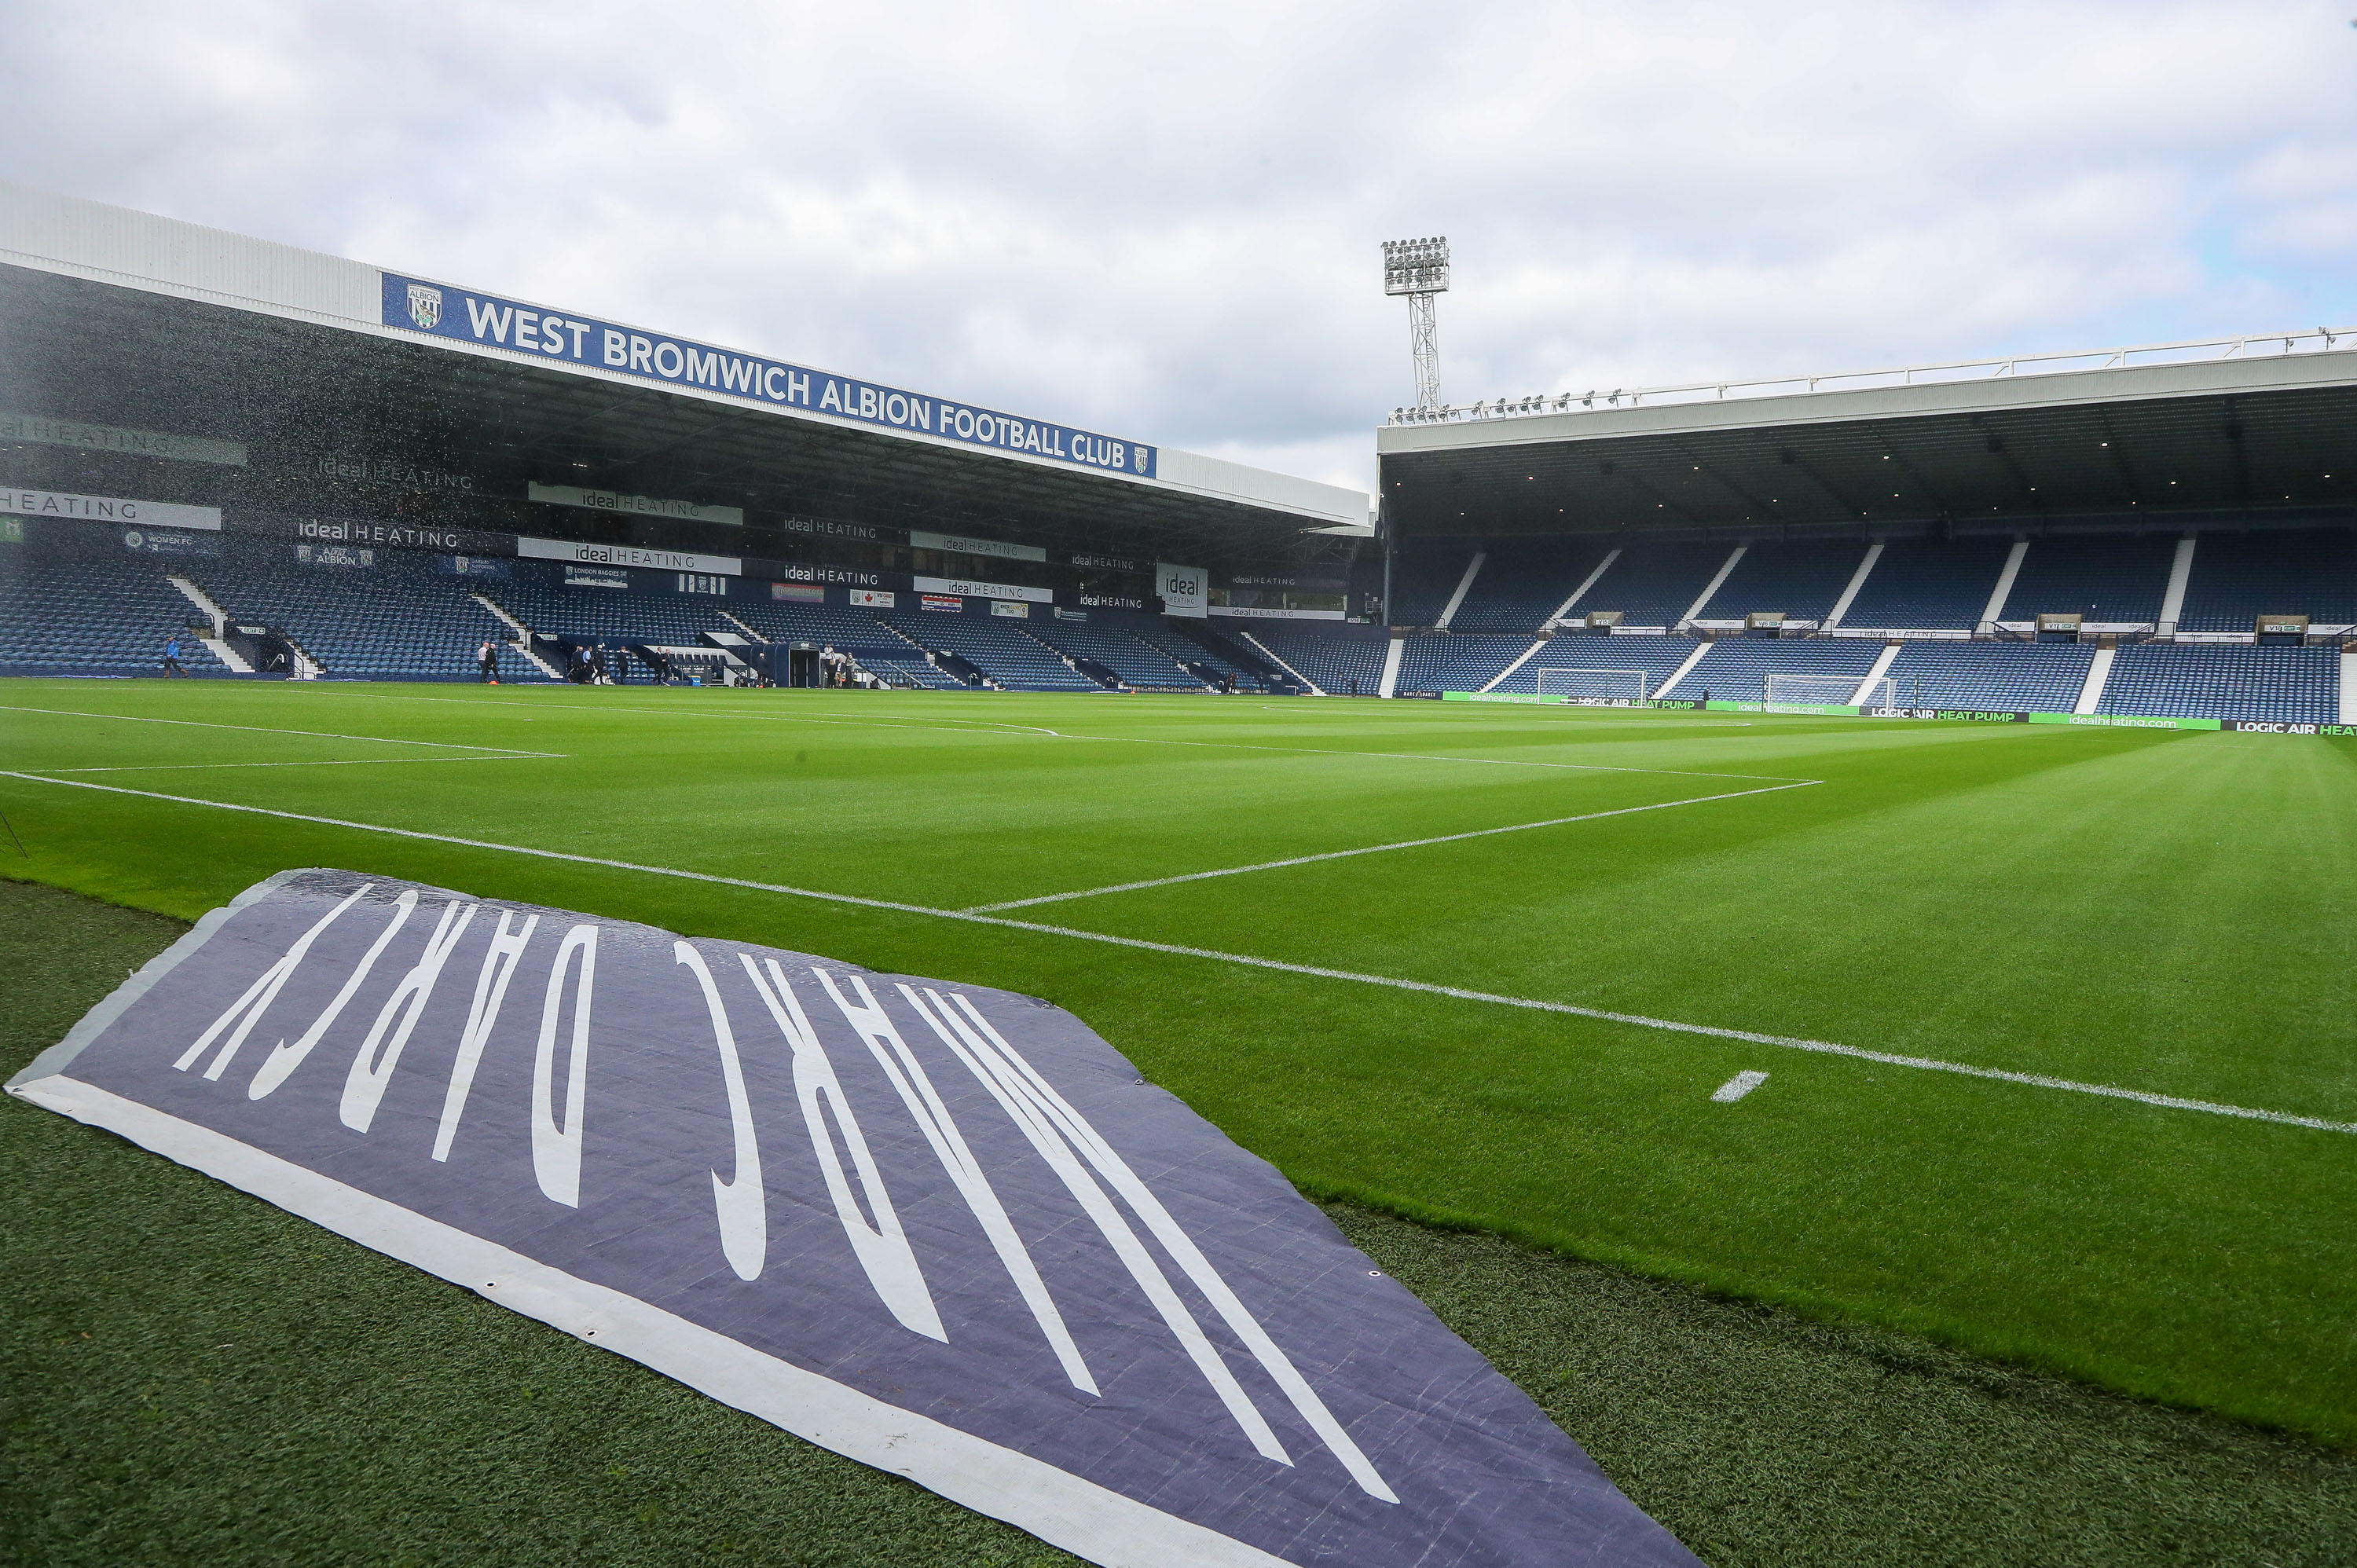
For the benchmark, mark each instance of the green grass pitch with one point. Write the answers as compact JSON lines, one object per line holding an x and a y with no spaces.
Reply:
{"x":2161,"y":912}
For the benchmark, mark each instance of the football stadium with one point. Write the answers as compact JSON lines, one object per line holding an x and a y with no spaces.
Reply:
{"x":1751,"y":971}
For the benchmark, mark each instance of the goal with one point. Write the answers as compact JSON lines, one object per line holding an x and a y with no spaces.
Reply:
{"x":1612,"y":685}
{"x":1786,"y":690}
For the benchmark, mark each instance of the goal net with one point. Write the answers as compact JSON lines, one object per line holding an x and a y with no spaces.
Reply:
{"x":1786,"y":690}
{"x":1621,"y":685}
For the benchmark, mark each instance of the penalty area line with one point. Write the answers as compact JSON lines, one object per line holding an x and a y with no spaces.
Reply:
{"x":1373,"y":848}
{"x":1393,"y":983}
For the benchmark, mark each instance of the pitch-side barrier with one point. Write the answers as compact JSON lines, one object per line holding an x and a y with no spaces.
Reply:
{"x":1979,"y":715}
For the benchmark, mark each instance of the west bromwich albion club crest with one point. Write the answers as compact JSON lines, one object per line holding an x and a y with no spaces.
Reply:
{"x":424,"y":306}
{"x":1141,"y":459}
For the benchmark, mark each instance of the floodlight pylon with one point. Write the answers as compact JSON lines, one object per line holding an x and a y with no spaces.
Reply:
{"x":1419,"y":269}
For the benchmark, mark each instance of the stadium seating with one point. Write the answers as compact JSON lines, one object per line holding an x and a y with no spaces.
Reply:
{"x":1653,"y":584}
{"x":393,"y":620}
{"x":77,"y":602}
{"x":2192,"y":681}
{"x":1917,"y":586}
{"x":611,"y":614}
{"x":1658,"y":657}
{"x":2108,"y":579}
{"x":1446,"y":661}
{"x":1330,"y":663}
{"x":1999,"y":677}
{"x":1801,"y":580}
{"x":998,"y":649}
{"x":1424,"y":575}
{"x":1522,"y":583}
{"x":1134,"y":661}
{"x":2238,"y":577}
{"x":1736,"y":669}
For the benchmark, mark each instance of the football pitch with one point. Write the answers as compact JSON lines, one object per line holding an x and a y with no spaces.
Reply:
{"x":2056,"y":1022}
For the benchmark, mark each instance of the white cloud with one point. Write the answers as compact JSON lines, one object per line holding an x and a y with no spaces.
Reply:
{"x":1162,"y":220}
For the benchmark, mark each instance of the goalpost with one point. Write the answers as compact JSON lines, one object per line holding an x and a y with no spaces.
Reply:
{"x":1789,"y":691}
{"x":1614,"y":685}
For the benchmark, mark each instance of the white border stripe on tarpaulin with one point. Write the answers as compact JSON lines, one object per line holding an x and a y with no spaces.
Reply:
{"x":1061,"y":1509}
{"x":1637,"y":1020}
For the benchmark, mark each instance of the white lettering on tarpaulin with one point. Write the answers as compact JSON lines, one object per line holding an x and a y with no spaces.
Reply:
{"x":874,"y":599}
{"x":52,"y":432}
{"x":639,"y":506}
{"x":700,"y":583}
{"x":413,"y":304}
{"x":109,"y":509}
{"x":596,"y":577}
{"x":589,"y":554}
{"x":1186,"y":590}
{"x":959,"y":1263}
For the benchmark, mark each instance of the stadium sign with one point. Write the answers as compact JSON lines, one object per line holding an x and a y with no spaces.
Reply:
{"x":1184,"y":590}
{"x":944,"y":1229}
{"x":42,"y":428}
{"x":920,"y":540}
{"x":962,"y":587}
{"x":587,"y":554}
{"x":413,"y":304}
{"x":640,"y":505}
{"x":122,"y":510}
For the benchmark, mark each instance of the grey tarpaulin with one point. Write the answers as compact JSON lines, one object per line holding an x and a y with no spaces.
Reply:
{"x":944,"y":1230}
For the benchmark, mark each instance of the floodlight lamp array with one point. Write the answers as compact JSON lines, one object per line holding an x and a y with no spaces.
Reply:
{"x":1417,"y":266}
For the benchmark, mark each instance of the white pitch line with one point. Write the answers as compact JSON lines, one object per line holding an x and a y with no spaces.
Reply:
{"x":1736,"y":1088}
{"x":1373,"y":848}
{"x":326,"y":762}
{"x":256,"y":729}
{"x":1637,"y":1020}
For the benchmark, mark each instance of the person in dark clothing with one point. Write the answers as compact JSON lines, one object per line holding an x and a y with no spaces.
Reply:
{"x":172,"y":658}
{"x":1354,"y":685}
{"x":487,"y":660}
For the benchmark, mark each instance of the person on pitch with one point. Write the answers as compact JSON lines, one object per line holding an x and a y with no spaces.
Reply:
{"x":172,"y":658}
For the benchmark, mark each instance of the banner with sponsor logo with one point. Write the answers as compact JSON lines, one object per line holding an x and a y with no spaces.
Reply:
{"x":170,"y":541}
{"x":812,"y":572}
{"x":942,"y":1229}
{"x":943,"y":602}
{"x":390,"y":473}
{"x":587,"y":554}
{"x":334,"y":555}
{"x":798,"y":593}
{"x":961,"y":586}
{"x":413,"y":304}
{"x":53,"y":431}
{"x":121,"y":511}
{"x":1184,"y":590}
{"x":1963,"y":716}
{"x":1005,"y":607}
{"x":473,"y":566}
{"x":596,"y":577}
{"x":376,"y":533}
{"x":1113,"y":601}
{"x":637,"y":506}
{"x":873,"y":598}
{"x":920,"y":540}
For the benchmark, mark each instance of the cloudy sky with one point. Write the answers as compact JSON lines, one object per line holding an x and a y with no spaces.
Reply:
{"x":1163,"y":220}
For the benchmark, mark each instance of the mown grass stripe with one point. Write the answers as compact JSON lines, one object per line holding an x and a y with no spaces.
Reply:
{"x":1141,"y":944}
